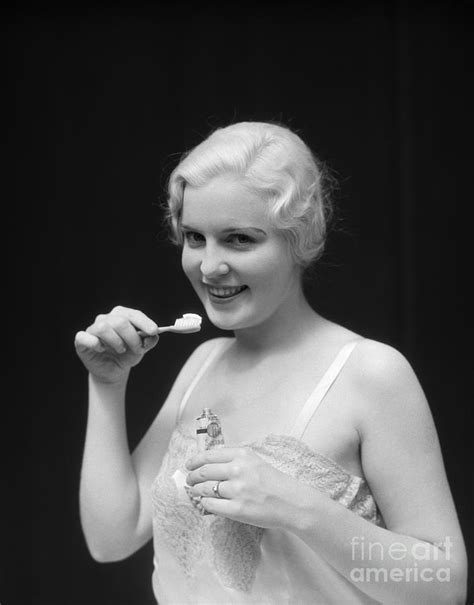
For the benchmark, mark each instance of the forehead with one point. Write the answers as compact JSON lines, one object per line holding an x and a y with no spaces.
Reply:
{"x":225,"y":200}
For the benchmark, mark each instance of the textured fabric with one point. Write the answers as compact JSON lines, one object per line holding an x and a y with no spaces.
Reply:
{"x":213,"y":560}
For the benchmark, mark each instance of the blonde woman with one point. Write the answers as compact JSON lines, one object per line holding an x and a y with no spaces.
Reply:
{"x":331,"y":487}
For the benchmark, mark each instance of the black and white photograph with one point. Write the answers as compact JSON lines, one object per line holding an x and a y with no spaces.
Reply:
{"x":240,"y":247}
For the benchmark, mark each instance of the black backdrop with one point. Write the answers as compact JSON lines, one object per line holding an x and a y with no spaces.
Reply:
{"x":106,"y":98}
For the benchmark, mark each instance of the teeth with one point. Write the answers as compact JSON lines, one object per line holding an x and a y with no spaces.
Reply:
{"x":226,"y":291}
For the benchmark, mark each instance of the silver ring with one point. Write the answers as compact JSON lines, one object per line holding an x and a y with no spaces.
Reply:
{"x":215,"y":489}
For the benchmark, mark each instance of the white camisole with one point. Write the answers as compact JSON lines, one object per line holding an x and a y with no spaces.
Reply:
{"x":213,"y":560}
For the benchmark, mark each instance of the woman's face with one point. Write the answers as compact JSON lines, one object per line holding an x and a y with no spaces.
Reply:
{"x":239,"y":265}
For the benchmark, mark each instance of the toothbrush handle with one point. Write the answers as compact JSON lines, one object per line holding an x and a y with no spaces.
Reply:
{"x":165,"y":329}
{"x":160,"y":330}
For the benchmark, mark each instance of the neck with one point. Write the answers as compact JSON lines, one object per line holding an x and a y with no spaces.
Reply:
{"x":291,"y":323}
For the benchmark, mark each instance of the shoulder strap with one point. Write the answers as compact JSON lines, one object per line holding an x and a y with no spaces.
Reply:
{"x":321,"y":389}
{"x":219,"y":347}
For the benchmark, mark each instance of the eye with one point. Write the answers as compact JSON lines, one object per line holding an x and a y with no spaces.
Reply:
{"x":193,"y":238}
{"x":241,"y":239}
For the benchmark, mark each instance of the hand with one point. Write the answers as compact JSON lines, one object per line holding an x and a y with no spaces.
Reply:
{"x":252,"y":491}
{"x":111,"y":345}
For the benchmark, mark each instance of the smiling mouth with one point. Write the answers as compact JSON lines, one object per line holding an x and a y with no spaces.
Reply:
{"x":227,"y":292}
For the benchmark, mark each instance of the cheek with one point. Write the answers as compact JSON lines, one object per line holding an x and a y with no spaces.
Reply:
{"x":189,"y":262}
{"x":274,"y":270}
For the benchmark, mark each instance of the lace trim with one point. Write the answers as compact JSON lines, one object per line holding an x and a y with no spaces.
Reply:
{"x":232,"y":548}
{"x":296,"y":458}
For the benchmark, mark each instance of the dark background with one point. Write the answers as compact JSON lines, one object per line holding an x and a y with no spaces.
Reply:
{"x":107,"y":97}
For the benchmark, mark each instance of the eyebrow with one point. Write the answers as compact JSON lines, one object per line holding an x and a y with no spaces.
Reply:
{"x":228,"y":229}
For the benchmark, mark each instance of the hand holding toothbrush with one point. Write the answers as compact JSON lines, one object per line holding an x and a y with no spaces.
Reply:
{"x":118,"y":340}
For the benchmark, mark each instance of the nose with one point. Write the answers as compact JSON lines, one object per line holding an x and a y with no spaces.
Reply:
{"x":213,"y":265}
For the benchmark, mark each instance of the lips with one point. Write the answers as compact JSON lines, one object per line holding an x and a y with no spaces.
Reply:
{"x":225,"y":291}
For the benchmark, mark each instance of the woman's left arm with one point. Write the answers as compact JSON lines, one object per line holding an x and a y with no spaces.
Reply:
{"x":420,"y":556}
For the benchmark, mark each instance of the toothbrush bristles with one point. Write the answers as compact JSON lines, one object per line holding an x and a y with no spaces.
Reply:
{"x":190,"y":322}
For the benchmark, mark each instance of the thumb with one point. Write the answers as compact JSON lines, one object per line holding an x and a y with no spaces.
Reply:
{"x":150,"y":341}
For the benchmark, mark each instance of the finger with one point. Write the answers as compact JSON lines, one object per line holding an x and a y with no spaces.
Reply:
{"x":206,"y":489}
{"x":221,"y":507}
{"x":219,"y":454}
{"x":108,"y":336}
{"x":208,"y":472}
{"x":124,"y":328}
{"x":138,"y":319}
{"x":150,"y":341}
{"x":88,"y":342}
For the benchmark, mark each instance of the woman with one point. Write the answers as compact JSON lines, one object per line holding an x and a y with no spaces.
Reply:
{"x":331,"y":486}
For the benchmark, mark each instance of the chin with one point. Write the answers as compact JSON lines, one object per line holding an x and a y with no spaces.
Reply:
{"x":232,"y":324}
{"x":223,"y":324}
{"x":219,"y":320}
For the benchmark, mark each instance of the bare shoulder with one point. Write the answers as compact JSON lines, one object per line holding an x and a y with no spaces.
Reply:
{"x":378,"y":364}
{"x":187,"y":373}
{"x":207,"y":347}
{"x":386,"y":384}
{"x":199,"y":356}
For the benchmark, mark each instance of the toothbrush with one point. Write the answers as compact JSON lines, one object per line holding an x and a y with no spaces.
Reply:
{"x":190,"y":322}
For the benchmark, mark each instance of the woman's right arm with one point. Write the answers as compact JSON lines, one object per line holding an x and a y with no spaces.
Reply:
{"x":114,"y":507}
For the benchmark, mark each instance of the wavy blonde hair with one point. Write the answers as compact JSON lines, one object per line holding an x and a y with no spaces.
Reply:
{"x":277,"y":165}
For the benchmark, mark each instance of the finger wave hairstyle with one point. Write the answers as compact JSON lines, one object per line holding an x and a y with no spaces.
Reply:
{"x":274,"y":163}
